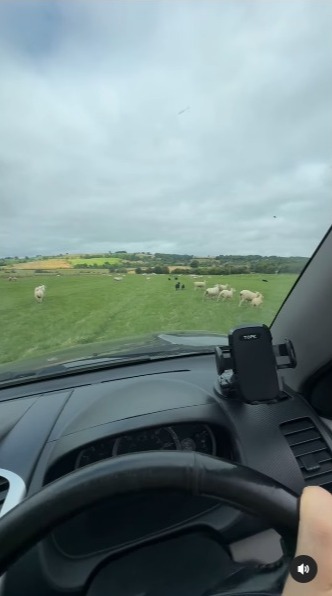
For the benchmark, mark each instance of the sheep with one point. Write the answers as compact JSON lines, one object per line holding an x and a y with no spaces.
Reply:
{"x":39,"y":293}
{"x":215,"y":290}
{"x":211,"y":292}
{"x":148,"y":278}
{"x":247,"y":296}
{"x":226,"y":294}
{"x":177,"y":285}
{"x":258,"y":300}
{"x":183,"y":287}
{"x":118,"y":278}
{"x":199,"y":285}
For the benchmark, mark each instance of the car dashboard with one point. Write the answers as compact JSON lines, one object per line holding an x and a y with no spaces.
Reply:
{"x":50,"y":428}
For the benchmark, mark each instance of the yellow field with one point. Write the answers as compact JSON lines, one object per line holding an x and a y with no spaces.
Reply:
{"x":44,"y":264}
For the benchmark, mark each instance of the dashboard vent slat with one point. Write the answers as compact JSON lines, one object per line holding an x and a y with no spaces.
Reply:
{"x":323,"y":456}
{"x":311,"y":452}
{"x":310,"y":447}
{"x":297,"y":425}
{"x":322,"y":469}
{"x":320,"y":480}
{"x":302,"y":437}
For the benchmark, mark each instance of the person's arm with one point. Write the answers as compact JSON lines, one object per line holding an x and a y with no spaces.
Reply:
{"x":315,"y":540}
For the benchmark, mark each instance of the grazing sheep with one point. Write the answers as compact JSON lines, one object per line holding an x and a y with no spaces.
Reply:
{"x":247,"y":296}
{"x":258,"y":300}
{"x":39,"y":293}
{"x":118,"y":278}
{"x":177,"y":285}
{"x":266,"y":280}
{"x":198,"y":285}
{"x":226,"y":294}
{"x":183,"y":287}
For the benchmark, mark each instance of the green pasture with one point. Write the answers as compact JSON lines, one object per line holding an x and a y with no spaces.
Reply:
{"x":79,"y":309}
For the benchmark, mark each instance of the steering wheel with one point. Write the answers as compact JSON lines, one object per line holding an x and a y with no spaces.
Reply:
{"x":188,"y":472}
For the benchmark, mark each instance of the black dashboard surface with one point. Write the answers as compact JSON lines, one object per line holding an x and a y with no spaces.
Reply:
{"x":74,"y":421}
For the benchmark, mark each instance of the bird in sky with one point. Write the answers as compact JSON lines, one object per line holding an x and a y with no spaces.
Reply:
{"x":183,"y":111}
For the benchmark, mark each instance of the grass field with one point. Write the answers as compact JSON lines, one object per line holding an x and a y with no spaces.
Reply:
{"x":97,"y":260}
{"x":84,"y":309}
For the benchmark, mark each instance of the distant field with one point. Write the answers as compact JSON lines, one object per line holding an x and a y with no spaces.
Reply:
{"x":44,"y":264}
{"x":87,"y":308}
{"x":97,"y":260}
{"x":67,"y":263}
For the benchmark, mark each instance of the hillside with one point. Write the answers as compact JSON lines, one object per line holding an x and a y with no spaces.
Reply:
{"x":158,"y":263}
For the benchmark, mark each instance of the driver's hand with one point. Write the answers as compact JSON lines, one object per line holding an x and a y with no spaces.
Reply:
{"x":314,"y":539}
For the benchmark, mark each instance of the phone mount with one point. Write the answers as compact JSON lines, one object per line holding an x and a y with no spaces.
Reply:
{"x":247,"y":369}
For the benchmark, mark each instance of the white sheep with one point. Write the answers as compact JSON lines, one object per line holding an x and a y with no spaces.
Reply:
{"x":226,"y":294}
{"x":247,"y":296}
{"x":211,"y":292}
{"x":198,"y":285}
{"x":39,"y":293}
{"x":118,"y":278}
{"x":223,"y":287}
{"x":258,"y":300}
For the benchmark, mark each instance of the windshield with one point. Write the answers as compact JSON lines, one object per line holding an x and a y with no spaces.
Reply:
{"x":165,"y":170}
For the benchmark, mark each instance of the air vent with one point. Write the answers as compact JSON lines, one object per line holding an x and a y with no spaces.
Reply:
{"x":311,"y":452}
{"x":4,"y":487}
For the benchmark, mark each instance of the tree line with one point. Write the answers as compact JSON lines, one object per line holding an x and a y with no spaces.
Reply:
{"x":184,"y":263}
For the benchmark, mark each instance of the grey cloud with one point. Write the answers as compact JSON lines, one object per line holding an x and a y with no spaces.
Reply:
{"x":93,"y":153}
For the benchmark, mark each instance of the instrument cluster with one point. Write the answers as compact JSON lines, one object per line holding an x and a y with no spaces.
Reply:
{"x":181,"y":437}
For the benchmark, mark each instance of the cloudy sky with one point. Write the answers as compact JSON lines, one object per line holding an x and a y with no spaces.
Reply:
{"x":165,"y":126}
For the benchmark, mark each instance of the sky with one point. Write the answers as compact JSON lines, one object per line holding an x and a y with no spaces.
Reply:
{"x":196,"y":126}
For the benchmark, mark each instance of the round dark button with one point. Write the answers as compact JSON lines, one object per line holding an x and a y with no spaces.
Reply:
{"x":303,"y":569}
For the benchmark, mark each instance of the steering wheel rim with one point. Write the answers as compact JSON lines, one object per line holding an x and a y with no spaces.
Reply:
{"x":193,"y":473}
